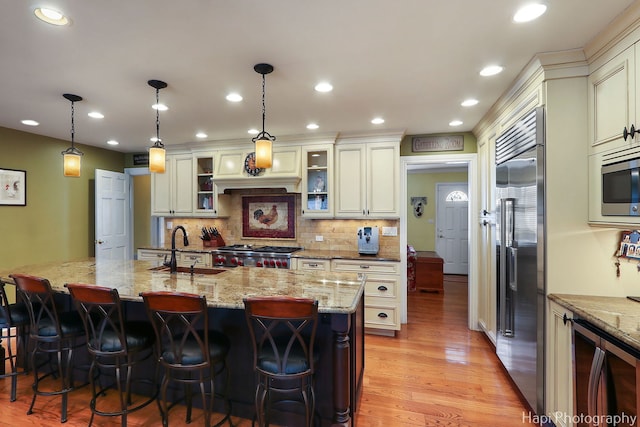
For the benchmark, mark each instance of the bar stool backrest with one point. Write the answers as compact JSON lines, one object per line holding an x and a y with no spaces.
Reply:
{"x":283,"y":333}
{"x":43,"y":313}
{"x":179,"y":320}
{"x":101,"y":312}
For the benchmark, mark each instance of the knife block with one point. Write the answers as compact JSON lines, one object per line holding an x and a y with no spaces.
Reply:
{"x":214,"y":243}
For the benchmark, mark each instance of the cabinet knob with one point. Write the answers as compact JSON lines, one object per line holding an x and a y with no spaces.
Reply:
{"x":631,"y":132}
{"x":566,"y":319}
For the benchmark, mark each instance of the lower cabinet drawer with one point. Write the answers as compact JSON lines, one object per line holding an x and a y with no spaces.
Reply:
{"x":381,"y":317}
{"x":153,"y":255}
{"x":314,"y":264}
{"x":187,"y":259}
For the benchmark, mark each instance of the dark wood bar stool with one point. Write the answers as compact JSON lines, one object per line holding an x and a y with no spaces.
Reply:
{"x":283,"y":333}
{"x":189,"y":352}
{"x":53,"y":333}
{"x":14,"y":329}
{"x":116,"y":346}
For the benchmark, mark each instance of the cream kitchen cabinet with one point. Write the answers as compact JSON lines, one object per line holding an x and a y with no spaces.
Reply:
{"x":612,"y":101}
{"x":207,"y":202}
{"x":197,"y":259}
{"x":381,"y":293}
{"x":317,"y":181}
{"x":559,"y":370}
{"x":153,"y":255}
{"x":172,"y":191}
{"x":367,"y":180}
{"x":233,"y":169}
{"x":310,"y":264}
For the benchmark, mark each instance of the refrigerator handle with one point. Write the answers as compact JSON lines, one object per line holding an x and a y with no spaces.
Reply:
{"x":513,"y":268}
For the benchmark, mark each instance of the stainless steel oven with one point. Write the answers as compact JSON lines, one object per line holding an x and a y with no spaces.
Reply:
{"x":250,"y":256}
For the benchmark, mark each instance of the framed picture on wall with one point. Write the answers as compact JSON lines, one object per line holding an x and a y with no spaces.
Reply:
{"x":269,"y":216}
{"x":13,"y":187}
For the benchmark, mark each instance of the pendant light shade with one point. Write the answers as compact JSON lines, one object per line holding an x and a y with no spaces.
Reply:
{"x":263,"y":140}
{"x":72,"y":156}
{"x":157,"y":151}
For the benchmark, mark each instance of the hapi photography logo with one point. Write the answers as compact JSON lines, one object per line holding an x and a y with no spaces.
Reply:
{"x":580,"y":419}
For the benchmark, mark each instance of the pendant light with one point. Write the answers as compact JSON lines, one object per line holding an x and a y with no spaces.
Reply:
{"x":263,"y":140}
{"x":157,"y":151}
{"x":72,"y":156}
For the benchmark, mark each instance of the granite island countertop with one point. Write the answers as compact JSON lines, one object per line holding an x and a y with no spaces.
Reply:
{"x":618,"y":316}
{"x":335,"y":292}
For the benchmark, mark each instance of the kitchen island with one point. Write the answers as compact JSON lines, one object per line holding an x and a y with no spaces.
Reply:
{"x":340,"y":339}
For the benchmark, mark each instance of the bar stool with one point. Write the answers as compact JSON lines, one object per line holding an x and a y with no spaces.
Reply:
{"x":190,"y":352}
{"x":282,"y":331}
{"x":14,"y":322}
{"x":115,"y":345}
{"x":53,"y":333}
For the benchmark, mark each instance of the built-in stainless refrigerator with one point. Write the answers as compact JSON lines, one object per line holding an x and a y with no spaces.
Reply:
{"x":520,"y":232}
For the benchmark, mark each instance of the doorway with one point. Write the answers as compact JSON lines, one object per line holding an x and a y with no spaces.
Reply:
{"x":410,"y":164}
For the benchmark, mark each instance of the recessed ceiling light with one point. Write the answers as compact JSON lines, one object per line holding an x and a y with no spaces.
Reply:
{"x":29,"y":122}
{"x":469,"y":102}
{"x":312,"y":126}
{"x":324,"y":87}
{"x":51,"y":16}
{"x":455,"y":122}
{"x":529,"y":12}
{"x":201,"y":135}
{"x":315,"y":155}
{"x":491,"y":70}
{"x":377,"y":121}
{"x":112,"y":142}
{"x":234,"y":97}
{"x":160,"y":107}
{"x":96,"y":115}
{"x":253,"y":131}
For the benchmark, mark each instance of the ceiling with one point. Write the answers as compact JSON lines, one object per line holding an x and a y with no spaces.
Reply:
{"x":411,"y":62}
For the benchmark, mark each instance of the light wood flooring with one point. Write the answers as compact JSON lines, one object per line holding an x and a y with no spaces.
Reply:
{"x":435,"y":372}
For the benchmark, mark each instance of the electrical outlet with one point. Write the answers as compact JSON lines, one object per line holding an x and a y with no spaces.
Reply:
{"x":169,"y":225}
{"x":319,"y":238}
{"x":389,"y":231}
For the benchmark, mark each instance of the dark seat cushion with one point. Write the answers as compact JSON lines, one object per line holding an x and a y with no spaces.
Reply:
{"x":19,"y":316}
{"x":296,"y":362}
{"x":70,"y":324}
{"x":139,"y":336}
{"x":192,"y":355}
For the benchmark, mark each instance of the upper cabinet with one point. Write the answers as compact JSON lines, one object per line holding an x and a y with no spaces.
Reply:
{"x":367,"y":179}
{"x":317,"y":181}
{"x":208,"y":203}
{"x":612,"y":103}
{"x":172,"y":191}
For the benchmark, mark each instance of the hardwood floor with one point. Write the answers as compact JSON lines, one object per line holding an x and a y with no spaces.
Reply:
{"x":435,"y":372}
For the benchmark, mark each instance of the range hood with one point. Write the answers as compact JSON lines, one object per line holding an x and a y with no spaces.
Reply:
{"x":276,"y":184}
{"x":234,"y":171}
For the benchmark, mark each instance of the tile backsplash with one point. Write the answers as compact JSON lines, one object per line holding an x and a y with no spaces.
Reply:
{"x":337,"y":234}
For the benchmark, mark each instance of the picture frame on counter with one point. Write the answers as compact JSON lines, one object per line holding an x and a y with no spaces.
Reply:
{"x":271,"y":217}
{"x":13,"y":187}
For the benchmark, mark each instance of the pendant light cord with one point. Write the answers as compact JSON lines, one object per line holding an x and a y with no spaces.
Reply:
{"x":158,"y":142}
{"x":73,"y":127}
{"x":264,"y":109}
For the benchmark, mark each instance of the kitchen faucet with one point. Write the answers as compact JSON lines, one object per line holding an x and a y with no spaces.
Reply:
{"x":173,"y":264}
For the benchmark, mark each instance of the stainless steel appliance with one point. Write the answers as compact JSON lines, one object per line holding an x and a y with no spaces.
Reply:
{"x":250,"y":256}
{"x":621,"y":185}
{"x":368,"y":243}
{"x":605,"y":376}
{"x":520,"y":231}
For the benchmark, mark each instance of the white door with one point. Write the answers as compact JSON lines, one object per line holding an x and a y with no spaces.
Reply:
{"x":112,"y":215}
{"x":452,"y":234}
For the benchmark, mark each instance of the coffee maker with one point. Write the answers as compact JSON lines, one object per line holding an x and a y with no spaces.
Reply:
{"x":368,"y":240}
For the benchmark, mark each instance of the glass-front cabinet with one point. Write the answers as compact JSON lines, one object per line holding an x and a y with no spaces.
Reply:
{"x":317,"y":181}
{"x":207,"y":201}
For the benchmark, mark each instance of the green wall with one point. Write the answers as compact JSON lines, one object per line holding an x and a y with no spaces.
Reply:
{"x":141,"y":211}
{"x":421,"y":232}
{"x":470,"y":145}
{"x":58,"y":221}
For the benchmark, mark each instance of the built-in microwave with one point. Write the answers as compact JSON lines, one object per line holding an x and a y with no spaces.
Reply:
{"x":621,"y":188}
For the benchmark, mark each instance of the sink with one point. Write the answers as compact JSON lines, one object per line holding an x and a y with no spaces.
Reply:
{"x":187,"y":270}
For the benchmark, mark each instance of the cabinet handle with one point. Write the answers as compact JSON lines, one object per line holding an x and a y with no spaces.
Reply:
{"x":365,"y":266}
{"x":302,"y":211}
{"x":631,"y":132}
{"x":625,"y":133}
{"x":382,"y":288}
{"x":313,"y":265}
{"x":363,"y":212}
{"x":382,"y":315}
{"x":566,"y":319}
{"x":367,"y":211}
